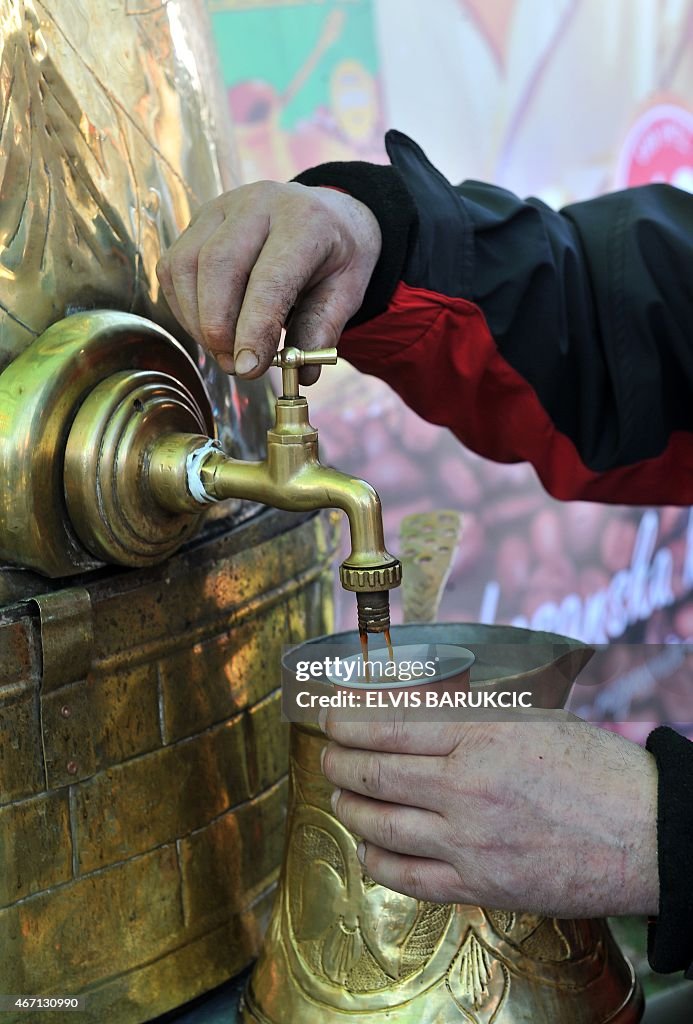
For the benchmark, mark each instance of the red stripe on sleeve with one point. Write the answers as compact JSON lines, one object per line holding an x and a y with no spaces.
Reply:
{"x":438,"y":354}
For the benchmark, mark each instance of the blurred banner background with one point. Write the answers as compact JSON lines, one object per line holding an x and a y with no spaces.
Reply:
{"x":563,"y":99}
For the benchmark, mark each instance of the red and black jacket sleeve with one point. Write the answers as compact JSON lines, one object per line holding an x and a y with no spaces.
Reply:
{"x":560,"y":338}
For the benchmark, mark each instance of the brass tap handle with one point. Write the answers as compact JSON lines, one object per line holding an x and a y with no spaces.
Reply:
{"x":305,"y":357}
{"x":292,"y":359}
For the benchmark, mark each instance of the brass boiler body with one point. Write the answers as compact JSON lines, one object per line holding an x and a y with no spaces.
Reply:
{"x":142,"y":760}
{"x":341,"y":949}
{"x":143,"y":767}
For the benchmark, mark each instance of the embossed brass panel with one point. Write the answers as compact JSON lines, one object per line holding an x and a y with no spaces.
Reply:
{"x":113,"y":133}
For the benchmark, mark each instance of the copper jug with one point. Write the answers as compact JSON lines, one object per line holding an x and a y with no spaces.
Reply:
{"x":342,"y":949}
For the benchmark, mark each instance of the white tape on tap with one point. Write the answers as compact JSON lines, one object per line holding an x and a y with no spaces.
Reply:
{"x":193,"y":468}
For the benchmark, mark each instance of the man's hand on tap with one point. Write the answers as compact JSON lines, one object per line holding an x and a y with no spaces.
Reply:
{"x":256,"y":254}
{"x":553,"y":817}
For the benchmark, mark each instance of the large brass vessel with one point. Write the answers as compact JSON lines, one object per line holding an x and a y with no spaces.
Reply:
{"x":142,"y":760}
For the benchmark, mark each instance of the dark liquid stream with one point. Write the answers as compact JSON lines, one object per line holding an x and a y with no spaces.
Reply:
{"x":363,"y":636}
{"x":364,"y":654}
{"x":388,"y":641}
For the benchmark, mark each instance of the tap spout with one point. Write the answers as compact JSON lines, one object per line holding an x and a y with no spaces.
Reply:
{"x":369,"y":570}
{"x":293,"y":479}
{"x":312,"y":486}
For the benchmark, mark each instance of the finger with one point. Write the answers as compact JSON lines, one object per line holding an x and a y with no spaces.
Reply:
{"x":183,"y":266}
{"x":307,"y":374}
{"x":163,"y":272}
{"x":393,"y":731}
{"x":394,"y":827}
{"x":318,"y":320}
{"x":273,"y":287}
{"x":420,"y":877}
{"x":396,"y":778}
{"x":224,"y":266}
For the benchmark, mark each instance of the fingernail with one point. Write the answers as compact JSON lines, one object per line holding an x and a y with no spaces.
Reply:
{"x":322,"y":720}
{"x":246,"y":361}
{"x":361,"y":852}
{"x":322,"y":758}
{"x":225,"y":361}
{"x":334,"y":799}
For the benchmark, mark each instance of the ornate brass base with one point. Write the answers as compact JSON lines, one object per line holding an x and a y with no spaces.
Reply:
{"x":343,"y":950}
{"x":79,"y":407}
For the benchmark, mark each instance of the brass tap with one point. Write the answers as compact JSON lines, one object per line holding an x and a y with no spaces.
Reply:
{"x":189,"y":471}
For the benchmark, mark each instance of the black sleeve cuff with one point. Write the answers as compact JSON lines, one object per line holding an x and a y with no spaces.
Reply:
{"x":383,"y":190}
{"x":670,"y":939}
